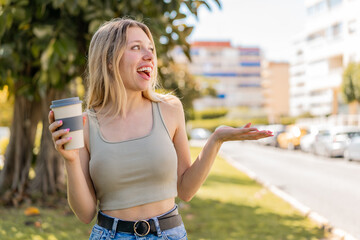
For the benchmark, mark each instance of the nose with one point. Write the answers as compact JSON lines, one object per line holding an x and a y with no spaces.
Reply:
{"x":148,"y":55}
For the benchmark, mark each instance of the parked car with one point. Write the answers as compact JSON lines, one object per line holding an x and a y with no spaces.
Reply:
{"x":290,"y":139}
{"x":307,"y":141}
{"x":333,"y":142}
{"x":276,"y":129}
{"x":352,"y":152}
{"x":199,"y":133}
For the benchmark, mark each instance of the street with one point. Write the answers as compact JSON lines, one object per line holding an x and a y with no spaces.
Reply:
{"x":328,"y":186}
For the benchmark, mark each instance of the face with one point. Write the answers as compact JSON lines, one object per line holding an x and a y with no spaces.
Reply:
{"x":137,"y":62}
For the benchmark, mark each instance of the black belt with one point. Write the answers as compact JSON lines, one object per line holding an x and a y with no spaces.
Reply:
{"x":141,"y":227}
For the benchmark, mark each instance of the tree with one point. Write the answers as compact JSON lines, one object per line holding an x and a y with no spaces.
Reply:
{"x":350,"y":86}
{"x":42,"y":49}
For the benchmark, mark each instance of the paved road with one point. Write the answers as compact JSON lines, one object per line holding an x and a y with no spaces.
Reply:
{"x":330,"y":187}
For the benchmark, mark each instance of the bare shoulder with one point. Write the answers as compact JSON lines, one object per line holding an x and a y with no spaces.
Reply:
{"x":173,"y":113}
{"x":171,"y":105}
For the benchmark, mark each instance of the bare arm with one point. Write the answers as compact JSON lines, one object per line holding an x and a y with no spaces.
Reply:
{"x":192,"y":176}
{"x":81,"y":193}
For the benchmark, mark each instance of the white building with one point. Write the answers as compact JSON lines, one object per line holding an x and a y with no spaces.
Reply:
{"x":235,"y":73}
{"x":329,"y":42}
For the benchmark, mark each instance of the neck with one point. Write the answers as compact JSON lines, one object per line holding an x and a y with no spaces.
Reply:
{"x":134,"y":101}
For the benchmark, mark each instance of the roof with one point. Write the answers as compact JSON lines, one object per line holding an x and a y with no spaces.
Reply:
{"x":211,"y":44}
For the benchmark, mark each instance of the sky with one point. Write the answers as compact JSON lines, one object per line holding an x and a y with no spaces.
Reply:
{"x":268,"y":24}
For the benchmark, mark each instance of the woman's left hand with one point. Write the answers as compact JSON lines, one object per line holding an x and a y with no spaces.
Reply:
{"x":226,"y":133}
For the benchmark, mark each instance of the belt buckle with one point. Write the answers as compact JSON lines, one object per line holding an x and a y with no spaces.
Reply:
{"x":143,"y":226}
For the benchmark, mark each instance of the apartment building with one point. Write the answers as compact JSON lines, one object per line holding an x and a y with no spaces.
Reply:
{"x":275,"y":84}
{"x":329,"y":42}
{"x":234,"y":72}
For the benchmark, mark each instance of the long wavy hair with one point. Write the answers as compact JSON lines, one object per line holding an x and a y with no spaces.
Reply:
{"x":105,"y":84}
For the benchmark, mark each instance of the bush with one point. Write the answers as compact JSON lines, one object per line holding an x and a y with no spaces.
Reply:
{"x":212,"y":124}
{"x":211,"y":113}
{"x":288,"y":120}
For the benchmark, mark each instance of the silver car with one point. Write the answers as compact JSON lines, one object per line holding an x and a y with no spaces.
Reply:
{"x":352,"y":152}
{"x":334,"y":141}
{"x":307,"y":141}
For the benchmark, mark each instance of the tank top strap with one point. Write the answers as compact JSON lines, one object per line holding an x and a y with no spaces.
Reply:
{"x":93,"y":127}
{"x":158,"y":118}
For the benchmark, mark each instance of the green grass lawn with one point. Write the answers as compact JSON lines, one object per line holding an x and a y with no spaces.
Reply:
{"x":228,"y":206}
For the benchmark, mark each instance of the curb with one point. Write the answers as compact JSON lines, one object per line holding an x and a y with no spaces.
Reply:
{"x":305,"y":210}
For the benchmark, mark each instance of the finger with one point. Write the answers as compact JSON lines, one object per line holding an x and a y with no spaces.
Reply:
{"x":53,"y":126}
{"x":249,"y":129}
{"x":263,"y":134}
{"x":60,"y":143}
{"x":258,"y":135}
{"x":58,"y":134}
{"x":51,"y":117}
{"x":247,"y":125}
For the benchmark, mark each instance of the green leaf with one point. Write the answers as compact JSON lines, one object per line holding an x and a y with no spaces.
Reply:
{"x":2,"y":24}
{"x":72,"y":7}
{"x":54,"y":76}
{"x":4,"y":2}
{"x":83,"y":3}
{"x":180,"y":16}
{"x":94,"y":25}
{"x":188,"y":31}
{"x":19,"y":14}
{"x":46,"y":55}
{"x":42,"y":31}
{"x":35,"y":50}
{"x":58,"y":3}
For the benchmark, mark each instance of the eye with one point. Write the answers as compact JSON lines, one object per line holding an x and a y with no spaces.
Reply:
{"x":152,"y":49}
{"x":136,"y":47}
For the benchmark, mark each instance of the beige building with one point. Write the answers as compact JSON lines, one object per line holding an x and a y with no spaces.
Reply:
{"x":275,"y":83}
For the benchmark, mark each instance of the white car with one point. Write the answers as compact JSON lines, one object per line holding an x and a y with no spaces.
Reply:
{"x":352,"y":152}
{"x":200,"y":133}
{"x":307,"y":141}
{"x":334,"y":141}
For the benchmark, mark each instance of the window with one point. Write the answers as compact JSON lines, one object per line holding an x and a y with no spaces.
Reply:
{"x":316,"y":36}
{"x":333,"y":3}
{"x":352,"y":26}
{"x":336,"y":30}
{"x":250,"y":64}
{"x":317,"y":8}
{"x":194,"y":51}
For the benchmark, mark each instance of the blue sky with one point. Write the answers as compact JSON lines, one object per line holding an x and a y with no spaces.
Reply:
{"x":269,"y":24}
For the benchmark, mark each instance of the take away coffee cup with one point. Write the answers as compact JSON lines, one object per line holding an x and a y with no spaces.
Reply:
{"x":69,"y":110}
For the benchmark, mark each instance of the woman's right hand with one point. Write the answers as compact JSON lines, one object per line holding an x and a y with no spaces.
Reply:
{"x":59,"y":140}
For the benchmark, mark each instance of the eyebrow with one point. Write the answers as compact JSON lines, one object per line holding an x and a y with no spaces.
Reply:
{"x":139,"y":41}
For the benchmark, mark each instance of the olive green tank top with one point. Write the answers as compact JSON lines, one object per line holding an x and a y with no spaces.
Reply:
{"x":133,"y":172}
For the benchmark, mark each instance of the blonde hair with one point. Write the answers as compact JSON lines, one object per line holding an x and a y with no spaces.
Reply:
{"x":104,"y":79}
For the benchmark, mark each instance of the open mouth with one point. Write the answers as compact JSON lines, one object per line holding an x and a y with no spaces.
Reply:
{"x":145,"y":72}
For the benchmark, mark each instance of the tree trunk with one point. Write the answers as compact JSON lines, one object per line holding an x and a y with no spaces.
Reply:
{"x":14,"y":177}
{"x":50,"y":174}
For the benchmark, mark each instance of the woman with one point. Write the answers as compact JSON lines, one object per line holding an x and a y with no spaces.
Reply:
{"x":136,"y":158}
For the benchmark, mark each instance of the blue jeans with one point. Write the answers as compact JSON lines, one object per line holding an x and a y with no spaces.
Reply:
{"x":176,"y":233}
